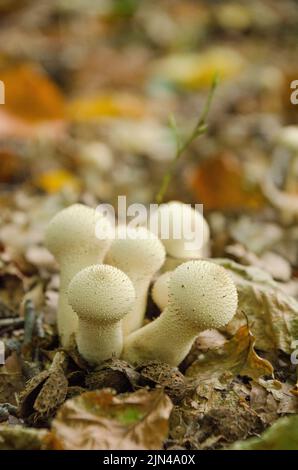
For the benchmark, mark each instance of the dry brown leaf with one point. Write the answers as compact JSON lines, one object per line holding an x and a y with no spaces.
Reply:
{"x":100,"y":420}
{"x":236,"y":357}
{"x":45,"y":392}
{"x":272,"y":315}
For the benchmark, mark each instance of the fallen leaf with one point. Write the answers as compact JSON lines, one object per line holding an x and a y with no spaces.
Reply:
{"x":20,"y":438}
{"x":31,"y":95}
{"x":115,"y":374}
{"x":56,"y":180}
{"x":272,"y":315}
{"x":282,"y":435}
{"x":46,"y":391}
{"x":113,"y":105}
{"x":220,"y":184}
{"x":100,"y":420}
{"x":236,"y":357}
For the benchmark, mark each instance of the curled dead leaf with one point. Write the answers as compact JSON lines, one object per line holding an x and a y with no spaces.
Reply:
{"x":236,"y":357}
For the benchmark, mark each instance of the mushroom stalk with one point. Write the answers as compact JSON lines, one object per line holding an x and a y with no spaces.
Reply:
{"x":166,"y":339}
{"x":97,"y":342}
{"x":101,"y":296}
{"x":78,"y":237}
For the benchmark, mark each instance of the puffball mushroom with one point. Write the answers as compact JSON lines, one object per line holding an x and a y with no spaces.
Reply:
{"x":140,"y":254}
{"x":160,"y":290}
{"x":184,"y":222}
{"x":71,"y":238}
{"x":202,"y":296}
{"x":101,"y":296}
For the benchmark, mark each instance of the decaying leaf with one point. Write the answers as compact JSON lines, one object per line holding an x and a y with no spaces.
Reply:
{"x":21,"y":438}
{"x":282,"y":435}
{"x":272,"y":314}
{"x":236,"y":357}
{"x":45,"y":392}
{"x":115,"y":374}
{"x":11,"y":379}
{"x":100,"y":420}
{"x":213,"y":418}
{"x":165,"y":376}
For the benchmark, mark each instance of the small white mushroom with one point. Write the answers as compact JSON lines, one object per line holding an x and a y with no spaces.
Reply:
{"x":71,"y":238}
{"x":183,"y":231}
{"x":160,"y":290}
{"x":140,"y":254}
{"x":201,"y":296}
{"x":101,"y":295}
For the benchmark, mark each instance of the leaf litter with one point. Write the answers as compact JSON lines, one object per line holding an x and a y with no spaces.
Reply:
{"x":96,"y":127}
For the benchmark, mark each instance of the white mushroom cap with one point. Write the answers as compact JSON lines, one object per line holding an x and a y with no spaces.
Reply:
{"x":203,"y":293}
{"x":137,"y":252}
{"x":101,"y":293}
{"x":181,"y":217}
{"x":160,"y":290}
{"x":71,"y":234}
{"x":289,"y":137}
{"x":140,"y":254}
{"x":77,"y":236}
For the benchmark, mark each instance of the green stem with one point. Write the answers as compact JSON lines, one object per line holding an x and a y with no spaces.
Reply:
{"x":199,"y":130}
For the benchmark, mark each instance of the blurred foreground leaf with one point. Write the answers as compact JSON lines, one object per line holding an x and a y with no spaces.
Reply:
{"x":21,"y":438}
{"x":100,"y":420}
{"x":282,"y":435}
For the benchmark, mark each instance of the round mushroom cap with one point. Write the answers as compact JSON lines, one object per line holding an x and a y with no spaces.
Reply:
{"x":137,"y":252}
{"x":160,"y":290}
{"x":183,"y":222}
{"x":203,"y":293}
{"x":73,"y":231}
{"x":101,"y":292}
{"x":289,"y":137}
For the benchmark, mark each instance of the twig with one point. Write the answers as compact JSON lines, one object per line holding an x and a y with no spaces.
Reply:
{"x":11,"y":322}
{"x":30,"y":319}
{"x":182,"y":144}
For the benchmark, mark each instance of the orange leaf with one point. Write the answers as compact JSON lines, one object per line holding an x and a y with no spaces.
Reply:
{"x":220,"y":183}
{"x":31,"y":95}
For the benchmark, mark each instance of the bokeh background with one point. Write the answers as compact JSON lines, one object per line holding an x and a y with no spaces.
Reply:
{"x":89,"y":89}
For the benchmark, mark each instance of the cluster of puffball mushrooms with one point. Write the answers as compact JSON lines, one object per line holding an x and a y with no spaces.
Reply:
{"x":104,"y":286}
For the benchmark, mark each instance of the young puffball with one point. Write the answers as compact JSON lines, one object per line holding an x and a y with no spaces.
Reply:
{"x":184,"y":222}
{"x":101,"y":295}
{"x":160,"y":290}
{"x":201,"y":296}
{"x":71,"y":238}
{"x":140,"y":255}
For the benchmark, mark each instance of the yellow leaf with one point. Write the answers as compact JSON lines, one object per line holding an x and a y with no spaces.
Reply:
{"x":109,"y":105}
{"x":56,"y":180}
